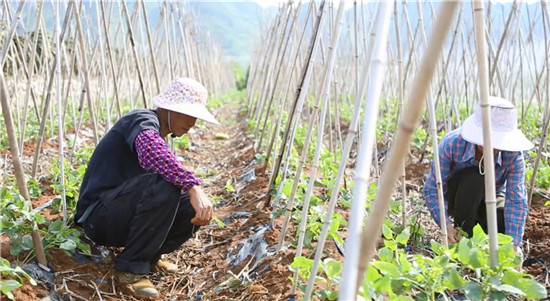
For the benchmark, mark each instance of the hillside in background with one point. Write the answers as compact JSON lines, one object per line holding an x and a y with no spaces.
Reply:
{"x":235,"y":25}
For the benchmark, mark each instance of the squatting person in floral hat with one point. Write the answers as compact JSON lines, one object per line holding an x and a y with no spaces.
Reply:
{"x":462,"y":174}
{"x":137,"y":195}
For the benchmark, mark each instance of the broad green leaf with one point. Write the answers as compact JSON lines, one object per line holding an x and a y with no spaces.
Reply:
{"x":56,"y":226}
{"x":16,"y":246}
{"x":511,"y":277}
{"x":504,"y":239}
{"x":477,"y":259}
{"x":332,"y":267}
{"x":387,"y":268}
{"x":385,"y":254}
{"x":454,"y":279}
{"x":464,"y":251}
{"x":387,"y":232}
{"x":26,"y":243}
{"x":301,"y":262}
{"x":404,"y":262}
{"x":478,"y":235}
{"x":532,"y":289}
{"x":437,"y":247}
{"x":372,"y":274}
{"x":84,"y":247}
{"x":68,"y":245}
{"x":507,"y":288}
{"x":473,"y":291}
{"x":390,"y":244}
{"x":332,"y":295}
{"x":403,"y":237}
{"x":384,"y":285}
{"x":506,"y":254}
{"x":39,"y":218}
{"x":497,"y":296}
{"x":7,"y":286}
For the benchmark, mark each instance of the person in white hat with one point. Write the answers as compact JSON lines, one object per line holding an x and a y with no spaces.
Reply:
{"x":461,"y":159}
{"x":136,"y":194}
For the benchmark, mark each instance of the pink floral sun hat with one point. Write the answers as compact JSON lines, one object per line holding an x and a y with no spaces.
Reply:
{"x":186,"y":96}
{"x":505,"y":134}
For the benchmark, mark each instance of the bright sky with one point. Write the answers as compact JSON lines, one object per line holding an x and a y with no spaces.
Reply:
{"x":266,"y":3}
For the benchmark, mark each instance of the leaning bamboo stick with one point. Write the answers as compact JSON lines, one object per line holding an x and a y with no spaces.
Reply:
{"x":490,"y":190}
{"x":280,"y":56}
{"x":324,"y":93}
{"x":300,"y":96}
{"x":60,"y":111}
{"x":343,"y":158}
{"x":288,"y":84}
{"x":437,"y":167}
{"x":18,"y":169}
{"x":546,"y":118}
{"x":134,"y":51}
{"x":151,"y":49}
{"x":85,"y":72}
{"x":9,"y":36}
{"x":401,"y":143}
{"x":111,"y":59}
{"x":48,"y":90}
{"x":368,"y":137}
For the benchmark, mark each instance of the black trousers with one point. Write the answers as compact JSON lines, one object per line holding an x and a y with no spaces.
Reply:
{"x":146,"y":215}
{"x":466,"y":197}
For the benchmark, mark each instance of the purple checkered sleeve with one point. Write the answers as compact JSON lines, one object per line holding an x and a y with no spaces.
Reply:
{"x":515,"y":208}
{"x":154,"y":155}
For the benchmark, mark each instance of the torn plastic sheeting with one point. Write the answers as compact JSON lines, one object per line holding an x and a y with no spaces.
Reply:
{"x":38,"y":273}
{"x":236,"y":215}
{"x":254,"y":246}
{"x":248,"y":176}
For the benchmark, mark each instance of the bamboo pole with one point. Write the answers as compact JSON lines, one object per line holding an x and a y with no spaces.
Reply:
{"x":400,"y":111}
{"x":288,"y":84}
{"x":103,"y":73}
{"x":401,"y":143}
{"x":437,"y":167}
{"x":151,"y":49}
{"x":44,"y":118}
{"x":490,"y":190}
{"x":368,"y":137}
{"x":85,"y":72}
{"x":280,"y":56}
{"x":111,"y":59}
{"x":9,"y":36}
{"x":60,"y":111}
{"x":297,"y":117}
{"x":345,"y":154}
{"x":546,"y":116}
{"x":29,"y":91}
{"x":18,"y":170}
{"x":134,"y":52}
{"x":324,"y":93}
{"x":300,"y":96}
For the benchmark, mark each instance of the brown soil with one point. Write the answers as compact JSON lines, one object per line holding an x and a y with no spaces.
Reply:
{"x":537,"y":241}
{"x":204,"y":271}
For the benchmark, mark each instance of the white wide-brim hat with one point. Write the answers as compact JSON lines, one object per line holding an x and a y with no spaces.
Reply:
{"x":186,"y":96}
{"x":505,"y":135}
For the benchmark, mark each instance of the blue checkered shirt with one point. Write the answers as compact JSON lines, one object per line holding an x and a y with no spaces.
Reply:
{"x":455,"y":153}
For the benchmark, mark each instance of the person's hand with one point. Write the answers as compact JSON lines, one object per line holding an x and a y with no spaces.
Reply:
{"x":202,"y":205}
{"x":452,"y":234}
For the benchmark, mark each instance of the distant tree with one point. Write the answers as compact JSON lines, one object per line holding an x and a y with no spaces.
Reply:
{"x":241,"y":78}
